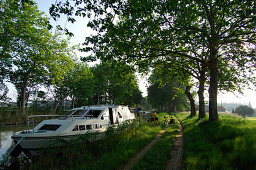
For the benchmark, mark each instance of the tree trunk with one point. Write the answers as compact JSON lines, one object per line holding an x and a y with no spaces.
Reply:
{"x":213,"y":65}
{"x":22,"y":95}
{"x":191,"y":101}
{"x":73,"y":102}
{"x":200,"y":93}
{"x":213,"y":89}
{"x":98,"y":99}
{"x":57,"y":103}
{"x":22,"y":98}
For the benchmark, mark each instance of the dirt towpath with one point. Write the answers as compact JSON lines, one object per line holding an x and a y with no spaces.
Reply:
{"x":139,"y":155}
{"x":176,"y":153}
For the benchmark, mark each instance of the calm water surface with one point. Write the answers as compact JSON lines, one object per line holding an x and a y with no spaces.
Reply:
{"x":5,"y":137}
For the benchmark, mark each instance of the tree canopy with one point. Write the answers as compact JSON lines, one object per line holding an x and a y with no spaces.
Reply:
{"x":170,"y":97}
{"x":33,"y":57}
{"x":220,"y":35}
{"x":115,"y":82}
{"x":77,"y":86}
{"x":103,"y":83}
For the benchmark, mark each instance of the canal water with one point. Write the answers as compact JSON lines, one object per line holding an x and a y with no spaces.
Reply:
{"x":5,"y":142}
{"x":5,"y":138}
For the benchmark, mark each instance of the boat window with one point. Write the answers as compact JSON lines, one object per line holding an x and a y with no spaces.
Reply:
{"x":75,"y":128}
{"x":88,"y":127}
{"x":81,"y":127}
{"x":49,"y":127}
{"x":79,"y":112}
{"x":93,"y":113}
{"x":119,"y":115}
{"x":96,"y":126}
{"x":104,"y":117}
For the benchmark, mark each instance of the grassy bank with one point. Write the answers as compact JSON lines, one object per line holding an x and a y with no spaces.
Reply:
{"x":229,"y":143}
{"x":113,"y":152}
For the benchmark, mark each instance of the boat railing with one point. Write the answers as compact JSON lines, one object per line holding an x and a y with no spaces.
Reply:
{"x":40,"y":116}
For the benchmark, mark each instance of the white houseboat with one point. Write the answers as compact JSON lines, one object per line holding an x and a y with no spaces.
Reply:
{"x":81,"y":121}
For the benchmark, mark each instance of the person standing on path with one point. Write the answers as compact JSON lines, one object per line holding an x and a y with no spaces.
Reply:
{"x":138,"y":112}
{"x":154,"y":115}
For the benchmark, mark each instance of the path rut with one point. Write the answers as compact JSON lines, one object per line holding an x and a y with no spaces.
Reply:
{"x":176,"y":153}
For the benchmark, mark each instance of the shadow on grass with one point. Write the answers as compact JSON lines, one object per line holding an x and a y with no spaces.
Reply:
{"x":229,"y":143}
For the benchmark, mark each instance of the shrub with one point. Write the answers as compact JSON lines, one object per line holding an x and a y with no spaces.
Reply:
{"x":244,"y":111}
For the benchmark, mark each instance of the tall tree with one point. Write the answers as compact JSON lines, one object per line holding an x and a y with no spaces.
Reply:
{"x":141,"y":31}
{"x":11,"y":18}
{"x":38,"y":64}
{"x":191,"y":100}
{"x":181,"y":69}
{"x":116,"y":83}
{"x":165,"y":72}
{"x":82,"y":84}
{"x":78,"y":85}
{"x":168,"y":93}
{"x":34,"y":56}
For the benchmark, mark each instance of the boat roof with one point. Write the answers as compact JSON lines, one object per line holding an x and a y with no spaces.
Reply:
{"x":98,"y":107}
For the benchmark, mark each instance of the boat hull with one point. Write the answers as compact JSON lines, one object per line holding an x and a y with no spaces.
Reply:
{"x":31,"y":145}
{"x":92,"y":120}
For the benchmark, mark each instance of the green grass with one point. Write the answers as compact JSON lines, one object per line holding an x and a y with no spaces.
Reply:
{"x":229,"y":143}
{"x":159,"y":154}
{"x":119,"y":146}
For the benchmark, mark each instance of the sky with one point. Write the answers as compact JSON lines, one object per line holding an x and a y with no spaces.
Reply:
{"x":81,"y":31}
